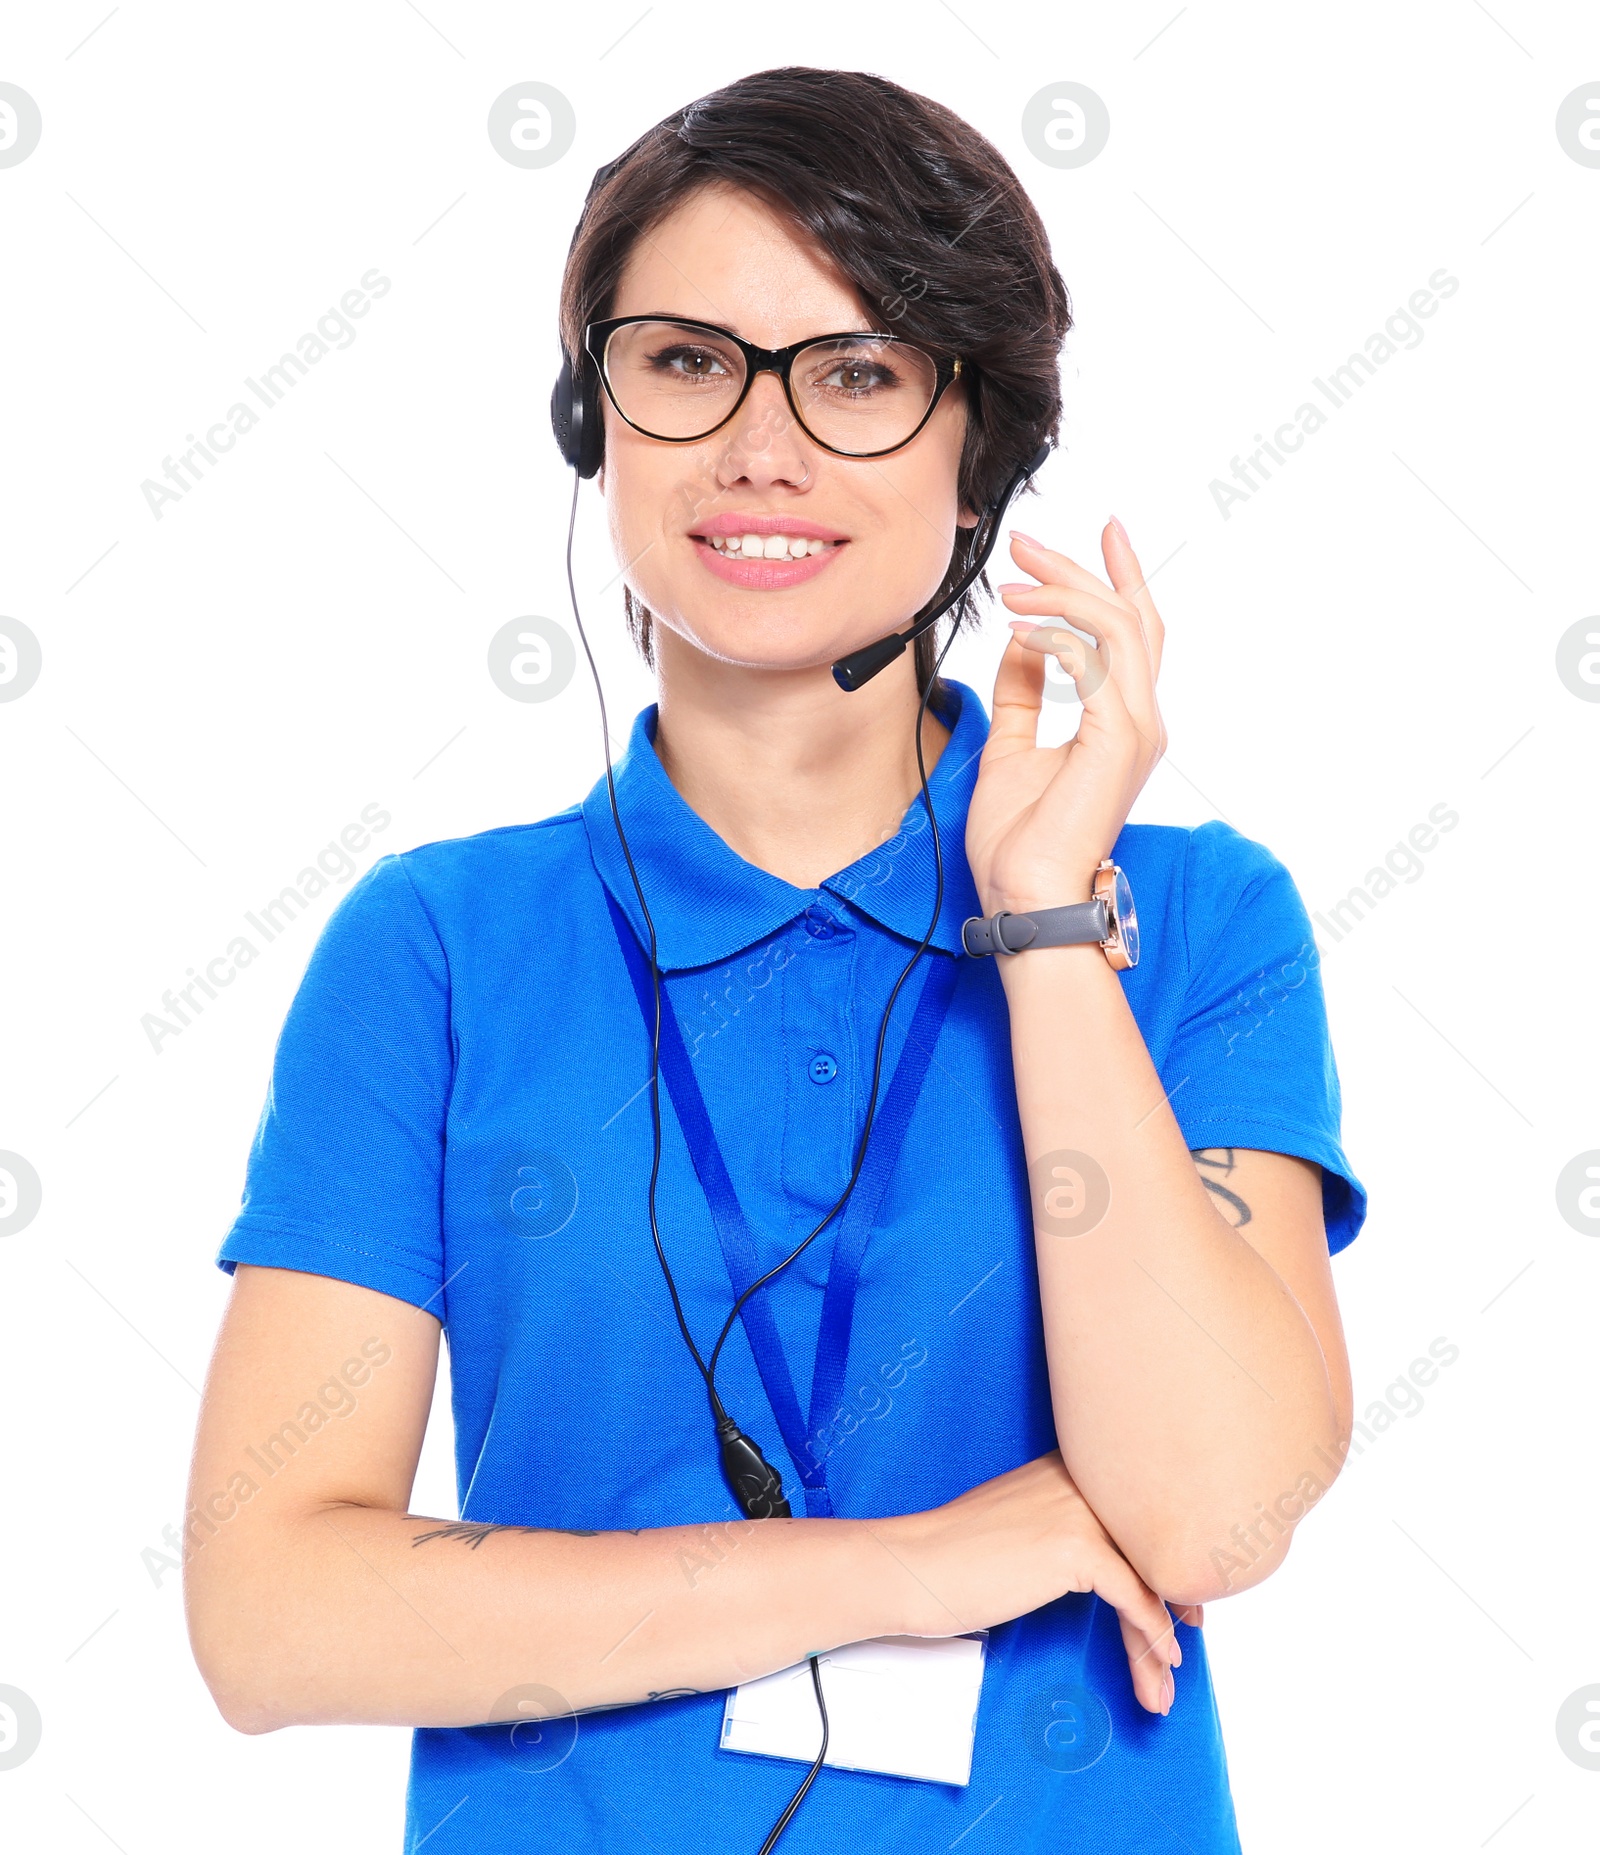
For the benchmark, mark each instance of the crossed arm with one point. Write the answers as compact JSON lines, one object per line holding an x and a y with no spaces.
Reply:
{"x":315,"y":1596}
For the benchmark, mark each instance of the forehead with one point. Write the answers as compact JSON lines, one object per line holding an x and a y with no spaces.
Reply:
{"x":729,"y":257}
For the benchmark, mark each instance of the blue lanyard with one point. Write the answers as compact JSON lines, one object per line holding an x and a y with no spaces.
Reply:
{"x":851,"y":1229}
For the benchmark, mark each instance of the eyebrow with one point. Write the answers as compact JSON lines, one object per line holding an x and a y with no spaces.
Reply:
{"x":722,"y":328}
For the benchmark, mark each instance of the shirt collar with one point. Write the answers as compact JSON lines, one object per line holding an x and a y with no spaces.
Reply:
{"x":707,"y":903}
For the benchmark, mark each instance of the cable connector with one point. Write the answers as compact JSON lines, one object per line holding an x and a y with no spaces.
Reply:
{"x":756,"y":1484}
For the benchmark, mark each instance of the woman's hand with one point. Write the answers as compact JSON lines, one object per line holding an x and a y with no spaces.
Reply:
{"x":1043,"y":818}
{"x":1022,"y":1540}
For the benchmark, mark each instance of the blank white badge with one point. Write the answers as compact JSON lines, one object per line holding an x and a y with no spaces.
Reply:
{"x":905,"y":1705}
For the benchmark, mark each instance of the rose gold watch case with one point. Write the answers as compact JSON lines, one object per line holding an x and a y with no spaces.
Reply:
{"x":1114,"y":946}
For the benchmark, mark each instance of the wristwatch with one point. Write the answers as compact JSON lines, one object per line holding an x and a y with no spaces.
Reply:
{"x":1108,"y":919}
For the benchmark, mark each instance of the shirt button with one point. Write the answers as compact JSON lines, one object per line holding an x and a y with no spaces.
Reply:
{"x":819,"y":922}
{"x":822,"y":1068}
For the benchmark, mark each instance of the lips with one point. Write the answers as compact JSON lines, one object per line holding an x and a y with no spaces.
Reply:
{"x":750,"y":524}
{"x":766,"y":551}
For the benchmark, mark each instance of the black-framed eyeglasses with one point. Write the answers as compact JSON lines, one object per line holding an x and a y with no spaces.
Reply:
{"x":858,"y":394}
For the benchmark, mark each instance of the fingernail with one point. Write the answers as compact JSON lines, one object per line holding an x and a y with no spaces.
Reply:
{"x":1120,"y":530}
{"x":1023,"y":624}
{"x":1016,"y":586}
{"x":1018,"y":535}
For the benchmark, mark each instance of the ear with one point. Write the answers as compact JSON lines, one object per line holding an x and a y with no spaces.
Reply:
{"x":966,"y":519}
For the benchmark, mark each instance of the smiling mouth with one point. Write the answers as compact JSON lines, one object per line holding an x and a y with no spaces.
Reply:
{"x":767,"y":547}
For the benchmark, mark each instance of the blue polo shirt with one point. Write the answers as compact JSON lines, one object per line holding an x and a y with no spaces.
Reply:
{"x":457,"y":1118}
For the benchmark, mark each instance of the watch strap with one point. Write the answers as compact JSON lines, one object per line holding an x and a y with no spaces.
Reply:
{"x":1074,"y":925}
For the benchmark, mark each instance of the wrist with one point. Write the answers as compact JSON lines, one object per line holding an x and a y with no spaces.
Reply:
{"x":1068,"y":877}
{"x":898,"y":1599}
{"x":1042,"y":971}
{"x":1016,"y":923}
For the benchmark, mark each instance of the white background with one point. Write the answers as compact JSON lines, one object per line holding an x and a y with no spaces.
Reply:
{"x":1372,"y":634}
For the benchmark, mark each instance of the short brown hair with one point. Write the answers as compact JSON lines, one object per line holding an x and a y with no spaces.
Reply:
{"x":919,"y":211}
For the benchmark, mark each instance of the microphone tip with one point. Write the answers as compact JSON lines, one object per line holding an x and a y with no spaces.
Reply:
{"x":862,"y":665}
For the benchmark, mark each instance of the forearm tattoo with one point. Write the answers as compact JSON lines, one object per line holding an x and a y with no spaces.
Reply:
{"x":1219,"y":1160}
{"x":475,"y":1532}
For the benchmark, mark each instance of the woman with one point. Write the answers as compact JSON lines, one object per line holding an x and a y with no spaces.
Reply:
{"x":1066,"y":1365}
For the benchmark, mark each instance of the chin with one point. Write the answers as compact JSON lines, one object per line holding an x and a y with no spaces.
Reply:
{"x":754,"y":633}
{"x":772,"y":647}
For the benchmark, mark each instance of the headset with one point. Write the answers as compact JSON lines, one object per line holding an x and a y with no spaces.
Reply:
{"x":577,"y":418}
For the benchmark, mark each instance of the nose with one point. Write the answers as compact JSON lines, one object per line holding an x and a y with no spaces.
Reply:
{"x":765,"y":444}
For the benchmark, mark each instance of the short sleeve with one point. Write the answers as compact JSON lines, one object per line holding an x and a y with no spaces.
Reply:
{"x":346,"y":1170}
{"x":1251,"y":1064}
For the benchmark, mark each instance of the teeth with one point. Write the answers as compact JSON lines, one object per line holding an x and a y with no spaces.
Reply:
{"x":768,"y":547}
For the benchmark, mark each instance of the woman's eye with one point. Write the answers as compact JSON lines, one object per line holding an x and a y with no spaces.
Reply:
{"x":689,"y":363}
{"x":858,"y":377}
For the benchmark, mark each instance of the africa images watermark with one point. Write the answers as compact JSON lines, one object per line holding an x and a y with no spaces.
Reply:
{"x":718,"y":1538}
{"x":1403,"y":329}
{"x":334,"y":1398}
{"x":182,"y":1004}
{"x":270,"y":390}
{"x":1402,"y":1398}
{"x":1268,"y":994}
{"x":1402,"y":863}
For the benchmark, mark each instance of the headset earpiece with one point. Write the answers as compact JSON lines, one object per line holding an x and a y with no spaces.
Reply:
{"x":575,"y":417}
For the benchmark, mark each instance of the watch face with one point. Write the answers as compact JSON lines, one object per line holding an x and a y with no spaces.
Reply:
{"x":1127,"y":920}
